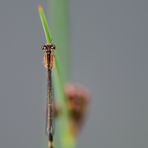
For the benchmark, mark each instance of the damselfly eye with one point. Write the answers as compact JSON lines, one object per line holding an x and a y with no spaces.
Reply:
{"x":44,"y":47}
{"x":52,"y":46}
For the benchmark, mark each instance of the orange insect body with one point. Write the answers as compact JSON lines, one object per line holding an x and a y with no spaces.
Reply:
{"x":51,"y":60}
{"x":48,"y":63}
{"x":49,"y":55}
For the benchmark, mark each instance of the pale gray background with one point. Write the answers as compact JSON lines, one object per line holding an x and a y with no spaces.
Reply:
{"x":110,"y":49}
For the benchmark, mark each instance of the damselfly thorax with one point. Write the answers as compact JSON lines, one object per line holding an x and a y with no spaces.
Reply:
{"x":48,"y":55}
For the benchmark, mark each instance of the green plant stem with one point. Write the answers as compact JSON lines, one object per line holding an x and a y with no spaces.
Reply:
{"x":44,"y":24}
{"x":63,"y":133}
{"x":58,"y":16}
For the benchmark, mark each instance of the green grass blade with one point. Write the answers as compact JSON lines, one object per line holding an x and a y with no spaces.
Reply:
{"x":65,"y":137}
{"x":58,"y":15}
{"x":44,"y":24}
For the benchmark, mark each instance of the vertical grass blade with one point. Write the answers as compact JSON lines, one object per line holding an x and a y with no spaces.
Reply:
{"x":62,"y":130}
{"x":44,"y":24}
{"x":66,"y":138}
{"x":58,"y":16}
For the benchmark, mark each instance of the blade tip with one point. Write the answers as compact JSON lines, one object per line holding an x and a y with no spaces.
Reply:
{"x":40,"y":7}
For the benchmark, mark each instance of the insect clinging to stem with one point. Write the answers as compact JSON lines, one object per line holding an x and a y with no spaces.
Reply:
{"x":48,"y":50}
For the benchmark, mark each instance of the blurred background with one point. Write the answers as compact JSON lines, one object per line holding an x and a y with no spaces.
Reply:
{"x":109,"y":41}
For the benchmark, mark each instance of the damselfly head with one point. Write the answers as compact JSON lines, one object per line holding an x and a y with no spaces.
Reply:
{"x":48,"y":47}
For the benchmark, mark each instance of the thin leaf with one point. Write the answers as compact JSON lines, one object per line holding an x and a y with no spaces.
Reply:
{"x":44,"y":24}
{"x":66,"y":138}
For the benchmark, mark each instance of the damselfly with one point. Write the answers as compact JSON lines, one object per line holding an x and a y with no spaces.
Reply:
{"x":48,"y":64}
